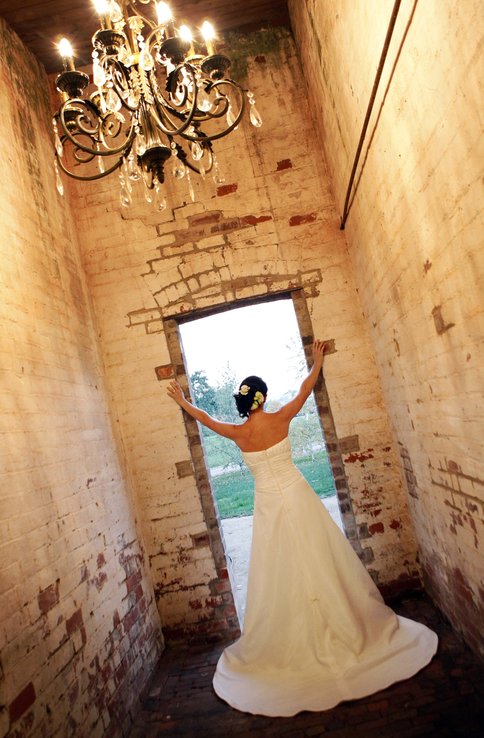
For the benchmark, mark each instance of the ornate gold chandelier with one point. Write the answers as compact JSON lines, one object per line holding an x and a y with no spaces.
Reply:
{"x":159,"y":97}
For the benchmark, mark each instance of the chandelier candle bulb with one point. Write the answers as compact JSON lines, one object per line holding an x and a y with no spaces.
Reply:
{"x":208,"y":33}
{"x":186,"y":35}
{"x":165,"y":18}
{"x":65,"y":50}
{"x":102,"y":9}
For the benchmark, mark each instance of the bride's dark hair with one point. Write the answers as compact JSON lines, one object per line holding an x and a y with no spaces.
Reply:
{"x":244,"y":399}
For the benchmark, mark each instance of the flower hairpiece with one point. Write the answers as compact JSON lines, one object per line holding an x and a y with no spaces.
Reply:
{"x":258,"y":400}
{"x":244,"y":390}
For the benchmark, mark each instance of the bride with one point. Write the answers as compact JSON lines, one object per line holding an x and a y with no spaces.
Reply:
{"x":316,"y":630}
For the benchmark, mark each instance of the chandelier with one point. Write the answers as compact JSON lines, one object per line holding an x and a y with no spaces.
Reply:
{"x":159,"y":98}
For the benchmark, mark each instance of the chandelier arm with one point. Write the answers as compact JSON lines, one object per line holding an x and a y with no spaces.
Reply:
{"x":136,"y":12}
{"x":88,"y":178}
{"x":215,"y":136}
{"x":103,"y":137}
{"x":121,"y":72}
{"x":210,"y":116}
{"x":163,"y":110}
{"x":156,"y":29}
{"x":92,"y":108}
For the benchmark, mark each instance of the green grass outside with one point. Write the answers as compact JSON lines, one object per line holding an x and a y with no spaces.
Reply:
{"x":234,"y":491}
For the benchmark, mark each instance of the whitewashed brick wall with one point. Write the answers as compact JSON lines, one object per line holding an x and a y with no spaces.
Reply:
{"x":415,"y":237}
{"x":79,"y":632}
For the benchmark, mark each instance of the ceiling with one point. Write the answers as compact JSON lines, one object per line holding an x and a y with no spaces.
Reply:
{"x":41,"y":23}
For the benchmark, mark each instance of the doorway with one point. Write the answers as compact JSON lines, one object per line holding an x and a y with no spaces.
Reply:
{"x":219,"y":350}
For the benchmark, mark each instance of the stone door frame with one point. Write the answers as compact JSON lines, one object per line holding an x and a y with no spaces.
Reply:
{"x":208,"y":503}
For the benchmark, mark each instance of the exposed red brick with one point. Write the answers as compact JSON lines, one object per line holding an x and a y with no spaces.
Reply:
{"x":441,"y":326}
{"x":376,"y":528}
{"x":164,"y":372}
{"x":213,"y":601}
{"x":213,"y":217}
{"x":106,"y":672}
{"x":220,"y":586}
{"x":297,"y":220}
{"x":120,"y":673}
{"x":73,"y":693}
{"x":138,"y":593}
{"x":100,"y":560}
{"x":227,"y":189}
{"x":358,"y":457}
{"x":200,"y":540}
{"x":463,"y":589}
{"x":226,"y":225}
{"x":48,"y":597}
{"x":453,"y":467}
{"x":229,"y":611}
{"x":184,"y":468}
{"x":133,"y":581}
{"x":284,"y":164}
{"x":22,"y":702}
{"x":75,"y":622}
{"x":395,"y":524}
{"x":254,"y":219}
{"x":100,"y":580}
{"x":260,"y":59}
{"x":195,"y":604}
{"x":130,"y":618}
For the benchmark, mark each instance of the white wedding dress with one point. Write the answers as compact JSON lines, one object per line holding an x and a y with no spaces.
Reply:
{"x":316,"y":630}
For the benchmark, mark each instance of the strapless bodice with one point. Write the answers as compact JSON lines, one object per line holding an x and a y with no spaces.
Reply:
{"x":273,"y":468}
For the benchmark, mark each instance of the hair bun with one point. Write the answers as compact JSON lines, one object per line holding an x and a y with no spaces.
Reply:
{"x":251,"y":395}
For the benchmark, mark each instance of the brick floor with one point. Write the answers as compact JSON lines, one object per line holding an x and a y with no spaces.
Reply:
{"x":445,"y":700}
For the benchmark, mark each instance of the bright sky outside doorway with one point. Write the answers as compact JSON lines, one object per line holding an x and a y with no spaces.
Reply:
{"x":260,"y":339}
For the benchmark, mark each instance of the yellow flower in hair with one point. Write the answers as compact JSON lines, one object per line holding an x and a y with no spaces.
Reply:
{"x":258,"y":400}
{"x":244,"y":390}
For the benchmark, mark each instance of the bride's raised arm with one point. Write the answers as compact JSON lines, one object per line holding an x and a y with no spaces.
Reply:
{"x":229,"y":430}
{"x":292,"y":408}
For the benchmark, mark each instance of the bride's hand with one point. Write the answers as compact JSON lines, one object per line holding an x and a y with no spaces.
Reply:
{"x":318,"y":351}
{"x":175,"y":392}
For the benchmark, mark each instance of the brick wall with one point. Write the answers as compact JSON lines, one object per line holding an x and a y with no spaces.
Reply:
{"x":79,"y":631}
{"x":270,"y":226}
{"x":414,"y":233}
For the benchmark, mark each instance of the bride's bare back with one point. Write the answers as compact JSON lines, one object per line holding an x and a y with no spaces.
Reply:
{"x":262,"y":430}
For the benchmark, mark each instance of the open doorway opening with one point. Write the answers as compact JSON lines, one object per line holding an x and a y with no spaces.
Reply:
{"x":219,"y":351}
